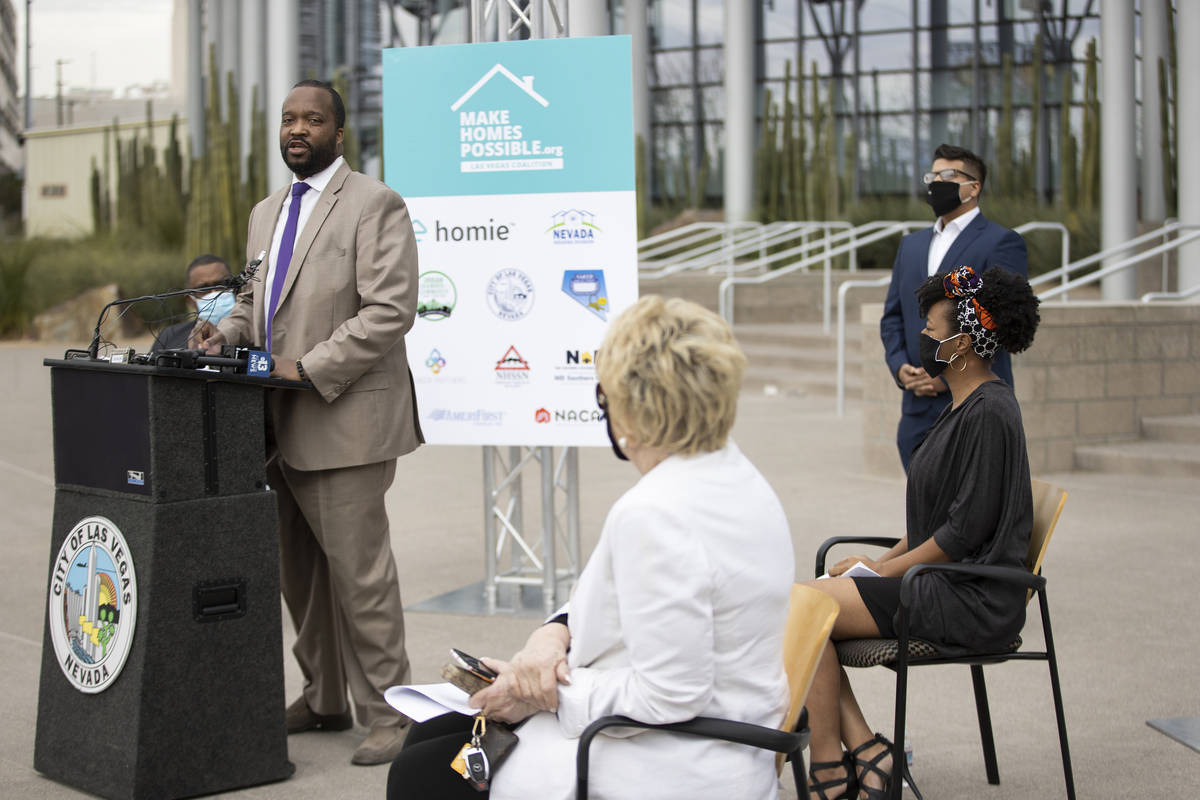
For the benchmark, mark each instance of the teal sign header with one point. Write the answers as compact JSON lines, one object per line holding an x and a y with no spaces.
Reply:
{"x":547,"y":115}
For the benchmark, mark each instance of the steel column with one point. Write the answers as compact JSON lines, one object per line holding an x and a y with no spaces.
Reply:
{"x":1187,"y":108}
{"x":740,"y":93}
{"x":1118,"y":151}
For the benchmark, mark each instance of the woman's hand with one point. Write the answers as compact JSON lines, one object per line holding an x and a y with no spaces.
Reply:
{"x":541,"y":665}
{"x":846,"y":563}
{"x":498,"y":701}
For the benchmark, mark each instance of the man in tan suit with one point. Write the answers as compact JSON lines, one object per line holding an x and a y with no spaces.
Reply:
{"x":339,"y":293}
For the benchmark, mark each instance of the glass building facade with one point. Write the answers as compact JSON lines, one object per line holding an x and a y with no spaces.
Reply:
{"x":902,"y":76}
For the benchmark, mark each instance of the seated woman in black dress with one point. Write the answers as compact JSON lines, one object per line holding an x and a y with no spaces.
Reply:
{"x":968,"y":499}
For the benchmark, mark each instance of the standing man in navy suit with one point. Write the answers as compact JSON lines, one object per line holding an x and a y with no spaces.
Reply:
{"x":961,"y":235}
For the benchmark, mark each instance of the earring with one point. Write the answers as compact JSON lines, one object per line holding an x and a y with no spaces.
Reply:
{"x":622,"y":442}
{"x":962,"y":363}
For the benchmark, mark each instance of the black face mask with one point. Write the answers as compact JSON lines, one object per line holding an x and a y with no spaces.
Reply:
{"x":942,"y":197}
{"x":928,"y":348}
{"x":608,"y":429}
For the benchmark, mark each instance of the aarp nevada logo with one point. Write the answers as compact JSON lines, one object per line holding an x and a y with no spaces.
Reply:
{"x":92,"y":604}
{"x":573,"y":226}
{"x":495,"y":126}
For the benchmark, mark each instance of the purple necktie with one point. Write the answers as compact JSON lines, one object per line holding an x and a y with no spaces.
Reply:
{"x":285,"y":254}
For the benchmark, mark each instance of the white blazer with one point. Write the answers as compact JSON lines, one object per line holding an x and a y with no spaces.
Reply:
{"x":678,"y":613}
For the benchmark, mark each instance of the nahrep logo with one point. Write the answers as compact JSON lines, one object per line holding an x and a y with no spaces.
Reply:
{"x":586,"y":287}
{"x":510,"y":294}
{"x":93,"y":604}
{"x":493,"y":139}
{"x":573,"y":226}
{"x":436,"y":362}
{"x":419,"y":229}
{"x":436,"y":295}
{"x":491,"y":232}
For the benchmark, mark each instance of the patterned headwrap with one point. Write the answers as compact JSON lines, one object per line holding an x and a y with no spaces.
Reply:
{"x":973,"y":319}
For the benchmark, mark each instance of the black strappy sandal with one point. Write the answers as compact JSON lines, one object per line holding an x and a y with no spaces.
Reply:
{"x":848,"y":780}
{"x":862,"y":766}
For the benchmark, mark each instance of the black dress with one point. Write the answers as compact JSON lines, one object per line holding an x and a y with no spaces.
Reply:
{"x":968,"y":488}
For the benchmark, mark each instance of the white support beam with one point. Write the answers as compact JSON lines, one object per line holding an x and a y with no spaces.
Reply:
{"x":588,"y":18}
{"x":740,"y":97}
{"x":283,"y":71}
{"x":1154,"y":47}
{"x":638,"y":30}
{"x":1187,"y":106}
{"x":1118,"y":148}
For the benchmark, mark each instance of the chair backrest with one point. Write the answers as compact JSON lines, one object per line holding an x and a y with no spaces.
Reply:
{"x":809,"y":622}
{"x":1048,"y":502}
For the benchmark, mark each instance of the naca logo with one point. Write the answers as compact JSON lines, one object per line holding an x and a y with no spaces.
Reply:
{"x":573,"y":226}
{"x":436,"y":296}
{"x":92,"y":604}
{"x":541,"y":416}
{"x":586,"y":287}
{"x":493,"y":135}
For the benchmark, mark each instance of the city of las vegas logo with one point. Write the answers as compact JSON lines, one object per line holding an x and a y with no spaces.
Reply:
{"x":510,"y":294}
{"x":512,"y":369}
{"x":493,"y":126}
{"x":92,"y":604}
{"x":573,"y":226}
{"x":436,"y":296}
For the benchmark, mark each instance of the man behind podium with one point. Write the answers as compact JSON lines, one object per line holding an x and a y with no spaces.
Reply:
{"x":338,"y":294}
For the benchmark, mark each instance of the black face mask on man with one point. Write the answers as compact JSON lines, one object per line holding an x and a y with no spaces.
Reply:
{"x":928,"y":348}
{"x":942,"y":196}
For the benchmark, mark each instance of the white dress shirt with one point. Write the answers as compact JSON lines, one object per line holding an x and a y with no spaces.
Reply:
{"x":679,"y":613}
{"x":944,"y":236}
{"x":308,"y":201}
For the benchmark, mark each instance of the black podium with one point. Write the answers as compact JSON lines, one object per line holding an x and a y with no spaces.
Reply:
{"x":162,"y":658}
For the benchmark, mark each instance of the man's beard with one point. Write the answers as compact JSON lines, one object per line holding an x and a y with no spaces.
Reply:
{"x":315,"y":159}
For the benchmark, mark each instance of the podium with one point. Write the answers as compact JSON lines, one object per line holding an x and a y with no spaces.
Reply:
{"x":162,"y":656}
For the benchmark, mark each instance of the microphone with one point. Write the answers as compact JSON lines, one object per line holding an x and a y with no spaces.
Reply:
{"x":234,"y":282}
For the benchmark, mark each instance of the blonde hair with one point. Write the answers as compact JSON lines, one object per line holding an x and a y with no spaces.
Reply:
{"x":672,"y":370}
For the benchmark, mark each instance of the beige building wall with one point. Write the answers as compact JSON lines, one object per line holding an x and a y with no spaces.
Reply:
{"x":58,"y":172}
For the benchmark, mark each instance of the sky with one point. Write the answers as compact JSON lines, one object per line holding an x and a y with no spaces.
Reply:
{"x":110,"y":44}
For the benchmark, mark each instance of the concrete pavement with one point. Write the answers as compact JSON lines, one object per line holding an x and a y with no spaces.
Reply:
{"x":1121,"y":572}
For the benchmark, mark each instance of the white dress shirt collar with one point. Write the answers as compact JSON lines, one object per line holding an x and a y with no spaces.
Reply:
{"x":322,"y":178}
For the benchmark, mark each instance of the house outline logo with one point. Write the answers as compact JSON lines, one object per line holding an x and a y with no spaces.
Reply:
{"x":525,"y":84}
{"x":573,"y":226}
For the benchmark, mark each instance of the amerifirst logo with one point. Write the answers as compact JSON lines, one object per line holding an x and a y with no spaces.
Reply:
{"x":493,"y":126}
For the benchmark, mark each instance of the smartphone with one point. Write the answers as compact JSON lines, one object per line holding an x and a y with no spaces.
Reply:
{"x":472,"y":665}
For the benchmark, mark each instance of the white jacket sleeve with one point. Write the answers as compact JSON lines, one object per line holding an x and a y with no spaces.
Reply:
{"x":663,"y":593}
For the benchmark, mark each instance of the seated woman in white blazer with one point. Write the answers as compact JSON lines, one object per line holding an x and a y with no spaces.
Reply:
{"x":679,"y":612}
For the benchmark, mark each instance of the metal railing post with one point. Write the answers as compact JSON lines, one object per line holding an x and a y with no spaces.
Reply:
{"x":489,"y":529}
{"x":549,"y":543}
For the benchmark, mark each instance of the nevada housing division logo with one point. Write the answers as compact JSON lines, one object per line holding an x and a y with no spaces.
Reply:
{"x":492,"y":137}
{"x":93,"y":604}
{"x":573,"y":226}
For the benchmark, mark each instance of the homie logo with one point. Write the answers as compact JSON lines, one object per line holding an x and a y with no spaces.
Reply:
{"x":573,"y":226}
{"x":491,"y":232}
{"x":419,"y":230}
{"x":492,"y":136}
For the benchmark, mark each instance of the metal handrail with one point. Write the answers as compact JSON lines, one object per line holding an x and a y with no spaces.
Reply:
{"x":875,"y":231}
{"x":1124,"y":263}
{"x":697,"y":232}
{"x":1183,"y":295}
{"x":1066,"y":240}
{"x":1095,"y":258}
{"x":710,"y":254}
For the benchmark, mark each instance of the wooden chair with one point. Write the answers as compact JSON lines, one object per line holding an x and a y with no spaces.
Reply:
{"x":903,"y":652}
{"x":810,"y":619}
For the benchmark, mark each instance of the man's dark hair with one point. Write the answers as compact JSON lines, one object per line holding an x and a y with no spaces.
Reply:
{"x":973,"y":163}
{"x":1005,"y":295}
{"x":339,"y":108}
{"x":200,"y":261}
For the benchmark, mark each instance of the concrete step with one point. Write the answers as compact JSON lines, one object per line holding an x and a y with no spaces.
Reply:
{"x":1182,"y":429}
{"x":799,"y":334}
{"x":1143,"y":457}
{"x":781,"y":356}
{"x":821,"y":383}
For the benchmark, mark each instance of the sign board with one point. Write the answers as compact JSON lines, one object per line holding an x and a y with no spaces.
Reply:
{"x":516,"y":161}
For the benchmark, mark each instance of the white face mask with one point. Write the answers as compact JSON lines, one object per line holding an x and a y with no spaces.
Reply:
{"x":215,"y":306}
